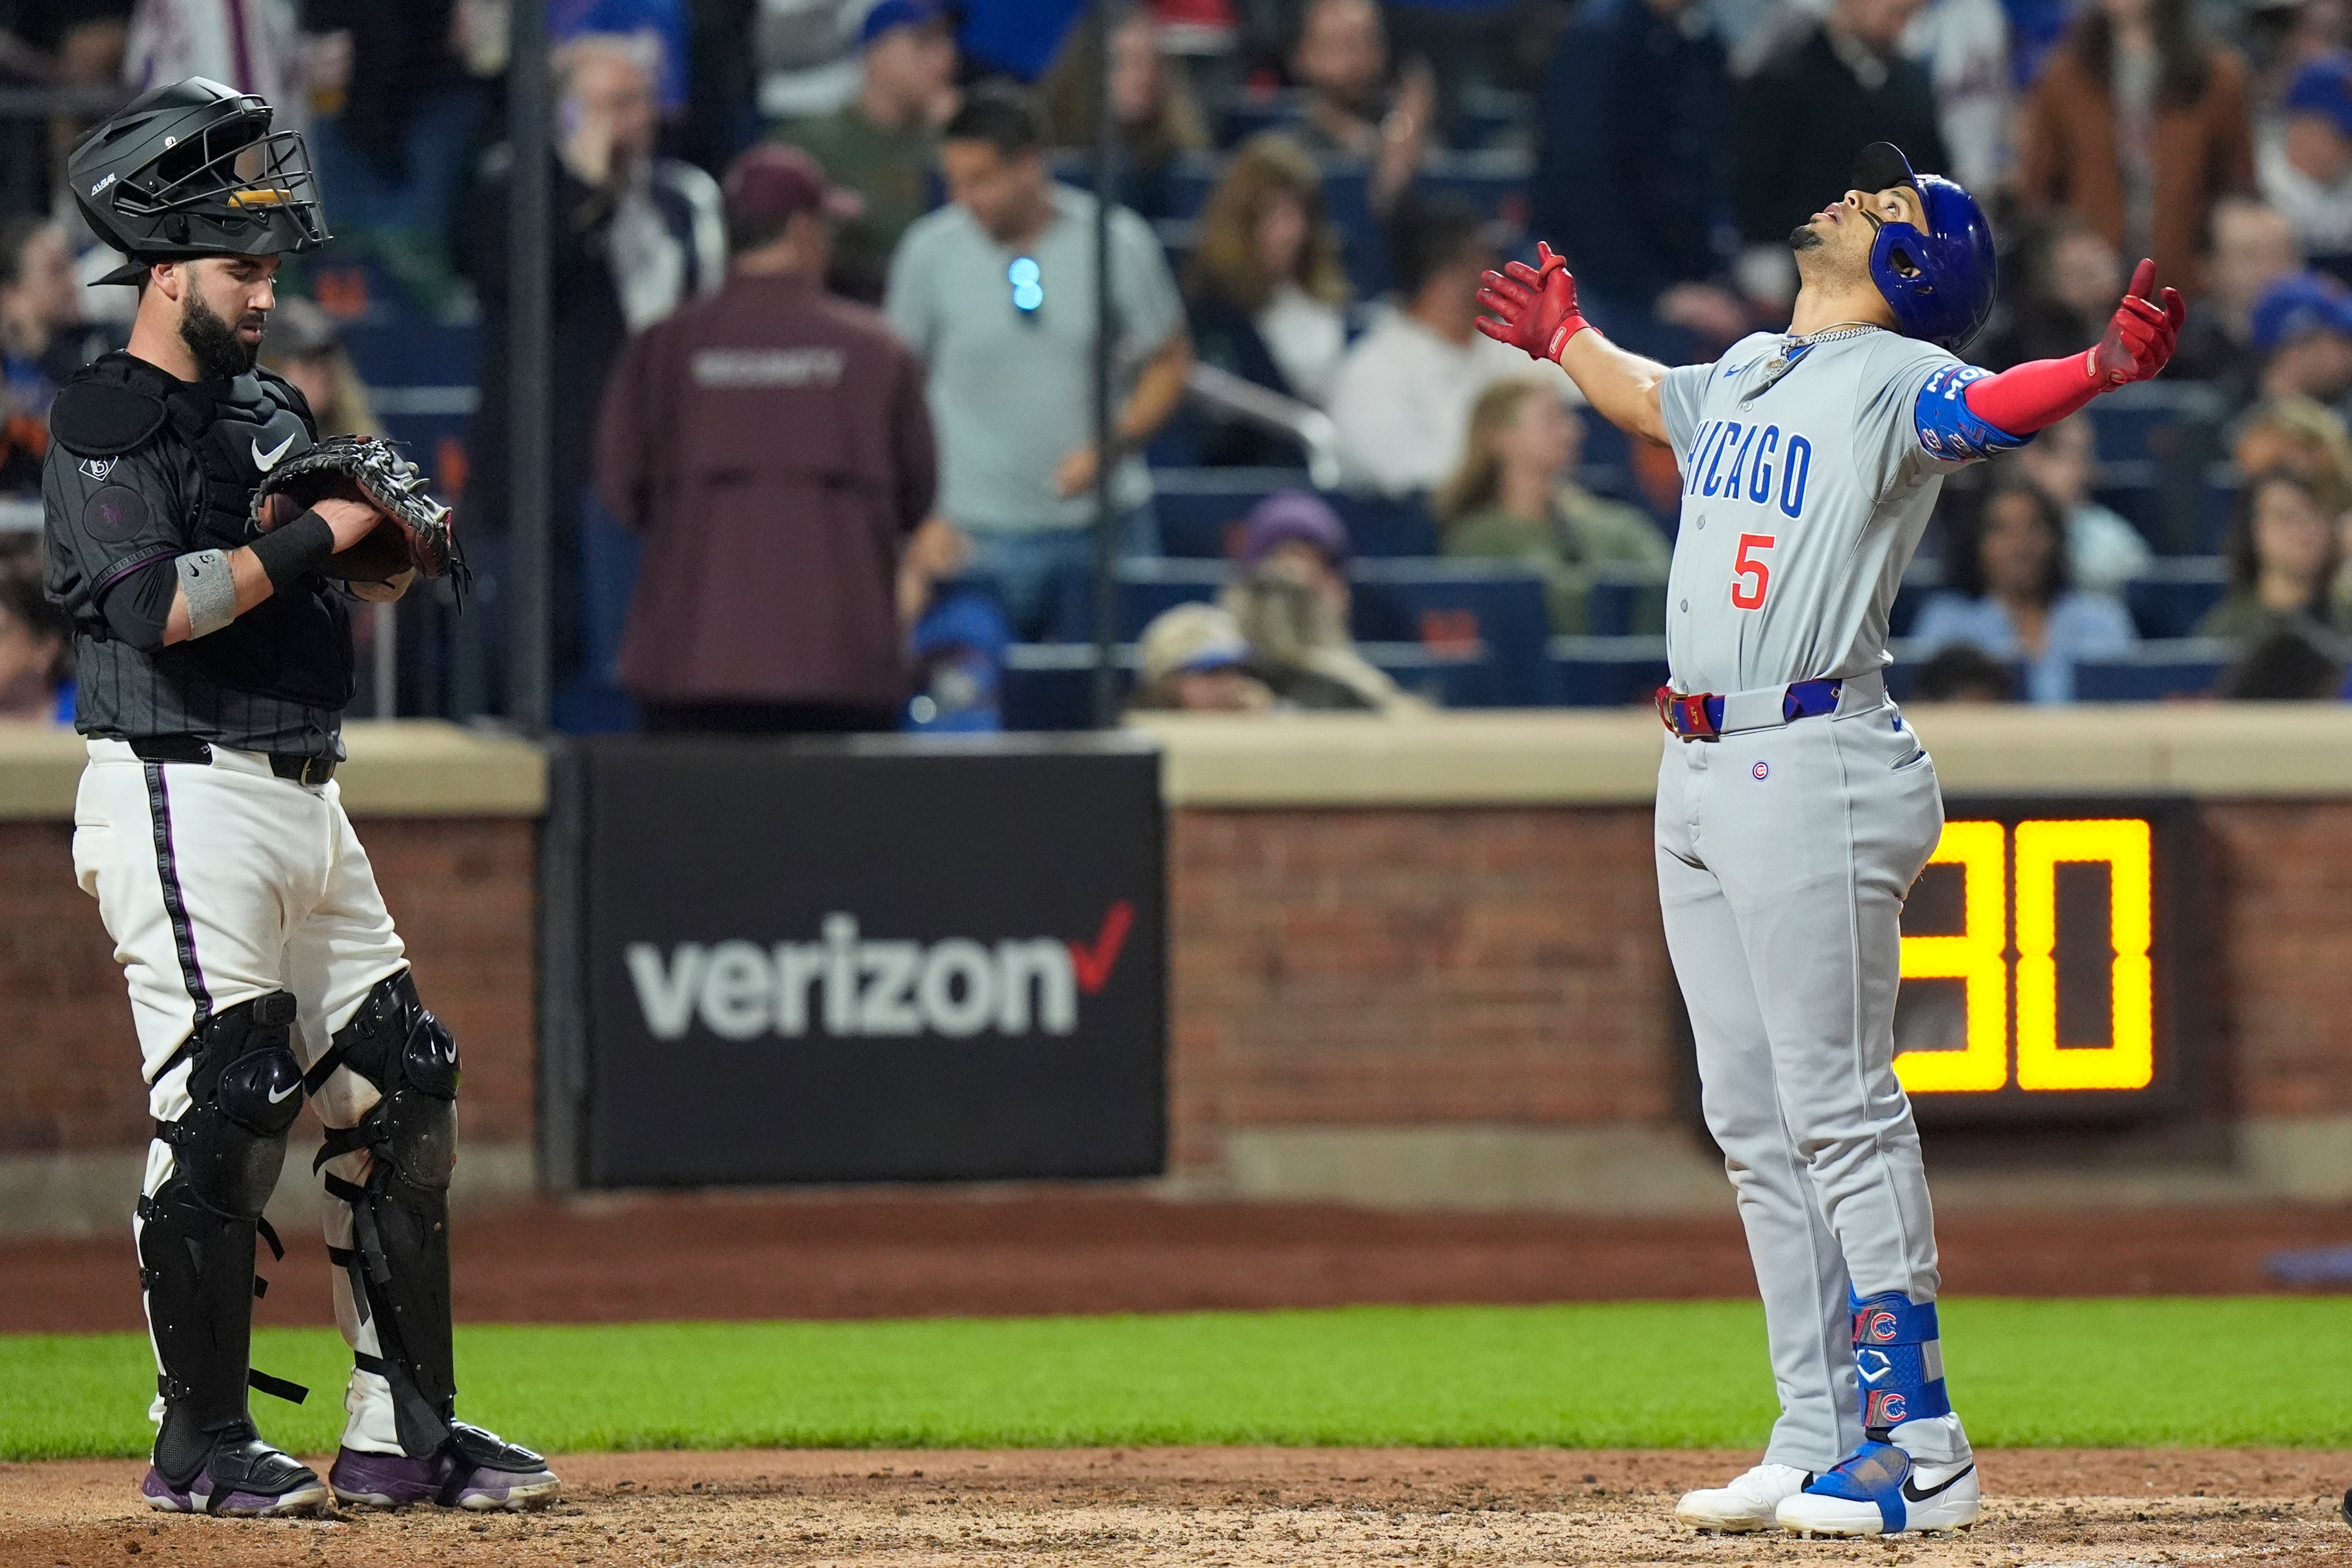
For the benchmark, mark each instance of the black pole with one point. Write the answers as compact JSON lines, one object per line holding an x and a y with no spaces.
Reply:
{"x":529,"y":370}
{"x":1106,"y":435}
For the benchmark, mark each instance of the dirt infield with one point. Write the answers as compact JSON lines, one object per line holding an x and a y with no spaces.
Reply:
{"x":1239,"y":1508}
{"x":1017,"y":1250}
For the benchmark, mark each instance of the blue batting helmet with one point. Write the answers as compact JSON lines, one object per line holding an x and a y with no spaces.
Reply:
{"x":1938,"y":282}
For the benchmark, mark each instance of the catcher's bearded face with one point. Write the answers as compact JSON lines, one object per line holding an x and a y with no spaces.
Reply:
{"x":224,"y":307}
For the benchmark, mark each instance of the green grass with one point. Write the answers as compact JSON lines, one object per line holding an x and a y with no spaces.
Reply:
{"x":2125,"y":1373}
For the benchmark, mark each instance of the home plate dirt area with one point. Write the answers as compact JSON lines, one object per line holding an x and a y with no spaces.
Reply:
{"x":1233,"y":1507}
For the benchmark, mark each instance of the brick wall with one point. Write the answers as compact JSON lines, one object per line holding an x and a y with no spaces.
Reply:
{"x":460,"y":889}
{"x":1508,"y":966}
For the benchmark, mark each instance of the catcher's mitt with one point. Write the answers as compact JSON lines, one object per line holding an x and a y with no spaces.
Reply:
{"x":416,"y":535}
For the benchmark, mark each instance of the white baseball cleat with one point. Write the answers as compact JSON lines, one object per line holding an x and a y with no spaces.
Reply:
{"x":1746,"y":1504}
{"x":1880,"y":1490}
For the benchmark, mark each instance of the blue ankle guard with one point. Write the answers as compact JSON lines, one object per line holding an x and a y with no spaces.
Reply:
{"x":1898,"y":1353}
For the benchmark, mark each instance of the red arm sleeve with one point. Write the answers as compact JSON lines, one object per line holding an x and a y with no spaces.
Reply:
{"x":2034,"y":395}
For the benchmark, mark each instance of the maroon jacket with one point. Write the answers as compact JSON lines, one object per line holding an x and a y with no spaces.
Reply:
{"x":773,"y":446}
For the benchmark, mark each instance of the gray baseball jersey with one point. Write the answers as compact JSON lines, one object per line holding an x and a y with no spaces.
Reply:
{"x":1784,"y":852}
{"x":1806,"y":484}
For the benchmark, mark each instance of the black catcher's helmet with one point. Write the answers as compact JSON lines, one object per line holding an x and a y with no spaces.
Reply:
{"x":192,"y":169}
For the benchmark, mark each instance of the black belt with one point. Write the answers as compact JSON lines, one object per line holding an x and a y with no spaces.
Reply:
{"x":190,"y":748}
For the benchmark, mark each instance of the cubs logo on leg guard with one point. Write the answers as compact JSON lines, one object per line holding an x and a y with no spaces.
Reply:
{"x":1898,"y":1355}
{"x":1880,"y":1490}
{"x":196,"y":1237}
{"x":399,"y":1263}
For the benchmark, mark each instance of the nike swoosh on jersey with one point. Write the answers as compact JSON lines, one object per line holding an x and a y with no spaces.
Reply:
{"x":266,"y":461}
{"x":278,"y":1096}
{"x":1912,"y":1494}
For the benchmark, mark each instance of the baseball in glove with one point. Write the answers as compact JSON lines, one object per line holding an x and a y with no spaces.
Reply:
{"x":416,"y":535}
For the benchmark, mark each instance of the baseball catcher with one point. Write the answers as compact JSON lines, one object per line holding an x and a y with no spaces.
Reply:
{"x":204,"y":543}
{"x":1796,"y":805}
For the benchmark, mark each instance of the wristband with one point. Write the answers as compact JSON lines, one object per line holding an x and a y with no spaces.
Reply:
{"x":299,"y":547}
{"x":1570,"y":326}
{"x":205,"y":585}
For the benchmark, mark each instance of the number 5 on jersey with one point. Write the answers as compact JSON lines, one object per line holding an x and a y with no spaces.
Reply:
{"x":1751,"y":575}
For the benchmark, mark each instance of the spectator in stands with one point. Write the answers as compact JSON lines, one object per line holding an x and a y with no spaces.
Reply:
{"x":1192,"y":658}
{"x":2303,"y":328}
{"x":2305,"y":437}
{"x":882,"y":143}
{"x":76,"y":43}
{"x":634,"y":236}
{"x":772,"y":446}
{"x":2103,"y":550}
{"x":36,"y":641}
{"x":1341,"y":59}
{"x":304,"y":347}
{"x":2011,"y":594}
{"x":1291,"y":603}
{"x":1264,"y":291}
{"x":995,"y":292}
{"x":249,"y":44}
{"x":2281,"y":552}
{"x":1402,"y":398}
{"x":2071,"y":280}
{"x":1964,"y":45}
{"x":2252,"y":247}
{"x":1827,"y":90}
{"x":660,"y":28}
{"x":2293,"y":662}
{"x":1515,"y":498}
{"x":1632,"y":170}
{"x":43,"y":340}
{"x":1963,"y":673}
{"x":2140,"y":124}
{"x":2306,"y":165}
{"x":1151,"y":102}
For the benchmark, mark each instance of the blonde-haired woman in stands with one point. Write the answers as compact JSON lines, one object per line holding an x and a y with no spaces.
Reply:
{"x":1265,"y":290}
{"x":2303,"y":438}
{"x":1514,"y":497}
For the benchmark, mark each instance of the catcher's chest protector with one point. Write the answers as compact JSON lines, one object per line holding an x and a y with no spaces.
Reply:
{"x":296,"y":644}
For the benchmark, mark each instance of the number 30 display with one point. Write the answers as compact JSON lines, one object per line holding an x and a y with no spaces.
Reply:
{"x":1993,"y":967}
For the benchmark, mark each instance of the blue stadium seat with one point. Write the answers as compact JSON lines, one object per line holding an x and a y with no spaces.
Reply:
{"x":2186,"y":666}
{"x":1494,"y":182}
{"x":2217,"y":498}
{"x":420,"y":376}
{"x":2175,"y":596}
{"x":1614,"y":596}
{"x":1449,"y":678}
{"x":1050,"y":685}
{"x":1201,"y":509}
{"x":1606,"y":672}
{"x":1449,"y":603}
{"x":2150,"y":419}
{"x":1380,"y":525}
{"x":1146,"y":587}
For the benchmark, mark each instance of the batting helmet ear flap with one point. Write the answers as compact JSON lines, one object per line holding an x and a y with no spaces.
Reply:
{"x":1937,"y":280}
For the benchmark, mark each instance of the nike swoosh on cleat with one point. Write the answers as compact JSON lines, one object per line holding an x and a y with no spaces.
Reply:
{"x":266,"y":461}
{"x":278,"y":1096}
{"x":1912,"y":1494}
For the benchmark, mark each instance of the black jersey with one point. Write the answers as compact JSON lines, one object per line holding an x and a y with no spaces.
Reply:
{"x":144,"y":468}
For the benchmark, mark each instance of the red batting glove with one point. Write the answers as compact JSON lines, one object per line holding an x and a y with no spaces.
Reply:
{"x":1535,"y":307}
{"x":2141,"y":338}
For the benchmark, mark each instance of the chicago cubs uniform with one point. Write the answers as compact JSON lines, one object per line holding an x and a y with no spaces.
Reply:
{"x":1796,"y":807}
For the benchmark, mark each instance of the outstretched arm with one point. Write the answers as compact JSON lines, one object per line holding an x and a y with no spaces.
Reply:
{"x":2139,"y":340}
{"x":1535,"y":310}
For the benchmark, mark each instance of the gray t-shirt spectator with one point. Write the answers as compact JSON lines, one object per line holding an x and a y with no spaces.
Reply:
{"x":1011,"y":392}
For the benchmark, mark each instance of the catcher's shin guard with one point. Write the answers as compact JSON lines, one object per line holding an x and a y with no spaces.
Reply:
{"x":197,"y":1229}
{"x":399,"y":1259}
{"x":1899,"y":1357}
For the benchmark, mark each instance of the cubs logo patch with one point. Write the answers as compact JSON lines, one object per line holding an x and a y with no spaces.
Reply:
{"x":1885,"y":1407}
{"x":1879,"y":1328}
{"x":1762,"y":771}
{"x":98,"y":468}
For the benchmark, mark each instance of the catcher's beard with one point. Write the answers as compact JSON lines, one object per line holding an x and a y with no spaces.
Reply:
{"x":220,"y":353}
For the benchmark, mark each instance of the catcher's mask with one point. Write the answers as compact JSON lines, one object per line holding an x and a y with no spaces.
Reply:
{"x":193,"y":169}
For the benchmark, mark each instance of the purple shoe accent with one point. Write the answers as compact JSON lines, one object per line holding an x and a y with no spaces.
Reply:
{"x":164,"y":1498}
{"x":395,"y":1481}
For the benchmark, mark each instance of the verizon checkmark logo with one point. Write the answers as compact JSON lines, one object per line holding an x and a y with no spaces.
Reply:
{"x":848,"y":984}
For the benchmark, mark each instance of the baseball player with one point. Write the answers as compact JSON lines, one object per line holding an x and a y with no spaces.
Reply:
{"x":1796,"y":807}
{"x":215,"y":660}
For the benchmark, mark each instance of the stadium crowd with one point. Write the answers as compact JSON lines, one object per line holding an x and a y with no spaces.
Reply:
{"x":824,"y":327}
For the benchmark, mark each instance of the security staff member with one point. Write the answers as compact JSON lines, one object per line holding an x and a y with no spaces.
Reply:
{"x":215,"y":664}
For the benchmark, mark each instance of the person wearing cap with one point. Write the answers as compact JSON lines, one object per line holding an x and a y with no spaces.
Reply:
{"x":2306,"y":169}
{"x":772,"y":446}
{"x":305,"y":348}
{"x":1193,"y":659}
{"x":2302,"y":326}
{"x":883,"y":142}
{"x":1291,"y":602}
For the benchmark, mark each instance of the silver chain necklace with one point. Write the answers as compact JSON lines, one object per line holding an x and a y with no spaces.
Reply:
{"x":1792,"y":344}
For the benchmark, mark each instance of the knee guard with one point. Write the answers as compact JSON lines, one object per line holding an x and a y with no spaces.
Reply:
{"x":1898,"y":1354}
{"x":197,"y":1230}
{"x":399,"y":1261}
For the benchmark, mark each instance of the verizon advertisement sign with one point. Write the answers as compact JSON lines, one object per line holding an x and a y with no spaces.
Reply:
{"x":872,"y":961}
